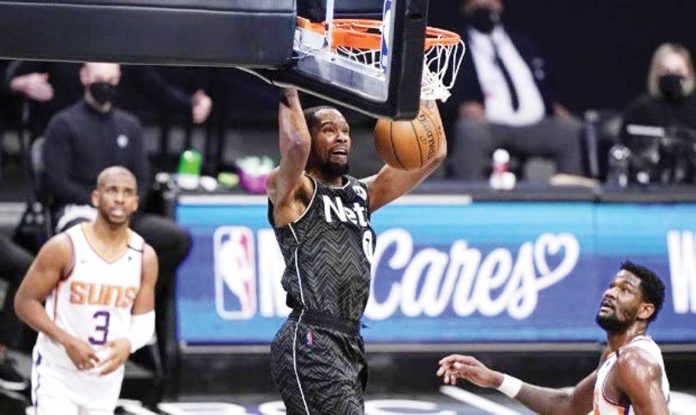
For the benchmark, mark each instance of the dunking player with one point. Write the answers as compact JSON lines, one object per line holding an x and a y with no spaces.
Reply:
{"x":97,"y":280}
{"x":321,"y":218}
{"x":631,"y":377}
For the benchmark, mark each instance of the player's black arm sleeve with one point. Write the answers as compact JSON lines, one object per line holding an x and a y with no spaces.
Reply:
{"x":57,"y":160}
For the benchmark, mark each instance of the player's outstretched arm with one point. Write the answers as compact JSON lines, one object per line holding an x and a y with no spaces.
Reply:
{"x":391,"y":183}
{"x":287,"y":187}
{"x":142,"y":326}
{"x":538,"y":399}
{"x":51,"y":265}
{"x":639,"y":377}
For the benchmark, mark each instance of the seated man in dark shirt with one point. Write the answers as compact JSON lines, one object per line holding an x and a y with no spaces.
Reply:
{"x":505,"y":100}
{"x":89,"y":136}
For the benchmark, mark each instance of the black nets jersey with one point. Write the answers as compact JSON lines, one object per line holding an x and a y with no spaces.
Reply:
{"x":328,"y":251}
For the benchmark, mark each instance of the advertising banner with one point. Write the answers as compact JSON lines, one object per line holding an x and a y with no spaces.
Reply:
{"x":445,"y":271}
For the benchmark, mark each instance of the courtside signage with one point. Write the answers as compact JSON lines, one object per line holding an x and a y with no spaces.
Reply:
{"x":447,"y":273}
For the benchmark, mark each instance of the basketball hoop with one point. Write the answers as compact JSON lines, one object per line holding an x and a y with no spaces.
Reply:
{"x":360,"y":41}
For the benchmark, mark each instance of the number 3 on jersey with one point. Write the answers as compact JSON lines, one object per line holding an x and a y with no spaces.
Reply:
{"x":102,"y":327}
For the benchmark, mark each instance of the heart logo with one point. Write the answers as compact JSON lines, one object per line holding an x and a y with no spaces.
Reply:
{"x":549,"y":245}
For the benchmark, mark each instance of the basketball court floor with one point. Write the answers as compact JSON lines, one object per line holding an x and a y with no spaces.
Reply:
{"x":141,"y":396}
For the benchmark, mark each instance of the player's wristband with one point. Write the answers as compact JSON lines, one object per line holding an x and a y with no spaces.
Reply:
{"x":142,"y":328}
{"x":511,"y":386}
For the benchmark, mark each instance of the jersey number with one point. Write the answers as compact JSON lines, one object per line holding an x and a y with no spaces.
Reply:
{"x":102,"y":328}
{"x":368,"y":245}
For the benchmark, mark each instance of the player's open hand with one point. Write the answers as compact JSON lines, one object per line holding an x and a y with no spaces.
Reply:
{"x":458,"y":366}
{"x":120,"y":350}
{"x":81,"y":353}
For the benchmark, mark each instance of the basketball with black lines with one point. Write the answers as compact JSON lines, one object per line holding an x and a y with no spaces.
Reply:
{"x":410,"y":145}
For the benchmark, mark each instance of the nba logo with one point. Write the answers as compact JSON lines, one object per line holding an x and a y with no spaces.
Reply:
{"x":235,"y":273}
{"x":386,"y":34}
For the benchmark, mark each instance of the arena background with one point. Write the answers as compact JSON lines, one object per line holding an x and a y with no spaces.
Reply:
{"x":599,"y":52}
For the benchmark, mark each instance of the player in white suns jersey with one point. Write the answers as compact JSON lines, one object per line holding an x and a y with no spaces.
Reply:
{"x":631,"y":377}
{"x":97,"y":280}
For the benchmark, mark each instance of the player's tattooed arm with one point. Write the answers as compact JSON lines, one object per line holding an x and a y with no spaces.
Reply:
{"x":52,"y":264}
{"x":639,"y":377}
{"x":287,"y":187}
{"x":577,"y":401}
{"x":391,"y":183}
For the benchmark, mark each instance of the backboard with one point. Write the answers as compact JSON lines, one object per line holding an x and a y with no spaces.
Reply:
{"x":392,"y":88}
{"x":254,"y":35}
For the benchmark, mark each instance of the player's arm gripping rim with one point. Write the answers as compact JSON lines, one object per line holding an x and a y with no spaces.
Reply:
{"x":540,"y":400}
{"x":391,"y":183}
{"x":287,"y":187}
{"x":144,"y":303}
{"x":51,"y":265}
{"x":639,"y":377}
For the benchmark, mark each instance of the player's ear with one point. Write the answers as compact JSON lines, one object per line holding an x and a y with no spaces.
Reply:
{"x":136,"y":204}
{"x":95,"y":198}
{"x":646,"y":310}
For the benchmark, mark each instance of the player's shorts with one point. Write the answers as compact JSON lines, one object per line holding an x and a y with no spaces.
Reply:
{"x":318,"y":365}
{"x":67,"y":391}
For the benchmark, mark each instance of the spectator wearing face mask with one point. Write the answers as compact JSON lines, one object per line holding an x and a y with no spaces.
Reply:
{"x":505,"y":100}
{"x":670,"y":100}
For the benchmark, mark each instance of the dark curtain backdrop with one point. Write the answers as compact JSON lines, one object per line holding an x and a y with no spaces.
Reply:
{"x":598,"y":50}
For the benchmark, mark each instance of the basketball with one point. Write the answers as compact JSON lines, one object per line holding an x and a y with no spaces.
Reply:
{"x":409,"y":145}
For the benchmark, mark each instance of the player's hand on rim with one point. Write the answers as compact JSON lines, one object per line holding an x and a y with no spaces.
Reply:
{"x":457,"y":366}
{"x":120,"y":351}
{"x":81,"y":353}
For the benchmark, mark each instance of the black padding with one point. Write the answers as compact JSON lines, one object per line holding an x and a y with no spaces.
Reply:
{"x":250,"y":33}
{"x":314,"y":10}
{"x":371,"y":8}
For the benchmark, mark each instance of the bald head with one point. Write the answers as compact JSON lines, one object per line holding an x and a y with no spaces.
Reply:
{"x":100,"y":72}
{"x":470,"y":5}
{"x":115,"y":173}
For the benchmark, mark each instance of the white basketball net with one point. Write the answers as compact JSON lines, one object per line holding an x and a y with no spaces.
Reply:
{"x":442,"y":61}
{"x":440,"y":67}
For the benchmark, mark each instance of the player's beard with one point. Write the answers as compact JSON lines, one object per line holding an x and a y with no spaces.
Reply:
{"x":334,"y":170}
{"x":611,"y":323}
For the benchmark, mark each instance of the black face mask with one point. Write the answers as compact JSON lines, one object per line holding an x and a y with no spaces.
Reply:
{"x":102,"y":92}
{"x":484,"y":20}
{"x":672,"y":87}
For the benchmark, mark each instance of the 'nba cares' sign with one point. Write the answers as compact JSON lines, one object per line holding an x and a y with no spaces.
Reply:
{"x":408,"y":281}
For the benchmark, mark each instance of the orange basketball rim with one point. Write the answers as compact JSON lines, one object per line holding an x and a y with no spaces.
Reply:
{"x":367,"y":34}
{"x":360,"y":41}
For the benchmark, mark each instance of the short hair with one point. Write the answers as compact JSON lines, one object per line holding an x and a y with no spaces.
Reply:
{"x":311,"y":117}
{"x":652,"y":287}
{"x":660,"y":53}
{"x":115,"y":170}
